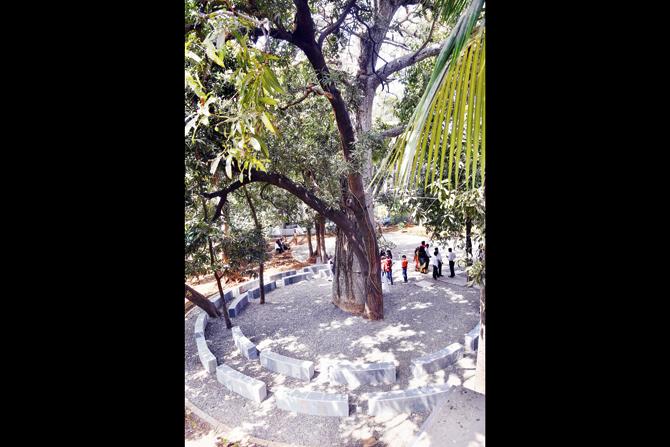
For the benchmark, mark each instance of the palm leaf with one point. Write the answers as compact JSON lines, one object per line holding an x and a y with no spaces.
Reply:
{"x":451,"y":105}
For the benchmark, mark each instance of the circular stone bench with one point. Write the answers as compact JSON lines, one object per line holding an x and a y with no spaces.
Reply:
{"x":472,"y":339}
{"x":313,"y":402}
{"x":391,"y":403}
{"x":244,"y":345}
{"x":207,"y":359}
{"x":300,"y":369}
{"x":437,"y":360}
{"x":368,"y":374}
{"x":241,"y":384}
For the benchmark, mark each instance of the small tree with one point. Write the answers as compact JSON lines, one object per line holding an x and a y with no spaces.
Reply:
{"x":201,"y":258}
{"x":259,"y":229}
{"x":245,"y":249}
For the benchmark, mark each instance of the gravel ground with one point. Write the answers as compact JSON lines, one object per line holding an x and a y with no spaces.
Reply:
{"x":299,"y":321}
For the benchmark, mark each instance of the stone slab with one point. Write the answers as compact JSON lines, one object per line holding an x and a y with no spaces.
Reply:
{"x":207,"y":359}
{"x":216,"y":299}
{"x":297,"y":278}
{"x":256,"y":292}
{"x":356,"y":375}
{"x":300,"y":369}
{"x":244,"y":345}
{"x":280,"y":275}
{"x":318,"y":267}
{"x":437,"y":360}
{"x":245,"y":386}
{"x":200,"y":325}
{"x":236,"y":306}
{"x":391,"y":403}
{"x":472,"y":339}
{"x":246,"y":286}
{"x":313,"y":402}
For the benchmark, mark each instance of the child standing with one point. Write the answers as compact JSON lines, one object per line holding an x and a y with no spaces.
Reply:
{"x":389,"y":264}
{"x":404,"y":267}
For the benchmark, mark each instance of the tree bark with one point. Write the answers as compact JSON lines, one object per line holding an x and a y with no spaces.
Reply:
{"x":480,"y":376}
{"x":317,"y":253}
{"x":201,"y":301}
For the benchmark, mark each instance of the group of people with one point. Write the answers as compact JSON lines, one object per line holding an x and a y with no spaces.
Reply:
{"x":422,"y":260}
{"x":281,"y":246}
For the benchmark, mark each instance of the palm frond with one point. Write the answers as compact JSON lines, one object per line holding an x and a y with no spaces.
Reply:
{"x":450,"y":10}
{"x":448,"y":122}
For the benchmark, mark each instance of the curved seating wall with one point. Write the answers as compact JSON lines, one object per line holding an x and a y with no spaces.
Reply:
{"x":300,"y":369}
{"x":472,"y":339}
{"x":207,"y":359}
{"x":318,"y":403}
{"x":244,"y":345}
{"x":313,"y":402}
{"x":406,"y":401}
{"x":437,"y":360}
{"x":356,"y":375}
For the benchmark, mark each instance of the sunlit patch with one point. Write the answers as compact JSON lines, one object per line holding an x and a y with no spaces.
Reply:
{"x":389,"y":333}
{"x":399,"y":433}
{"x":207,"y":440}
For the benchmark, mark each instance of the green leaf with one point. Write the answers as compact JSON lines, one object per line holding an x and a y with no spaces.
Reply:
{"x":268,"y":124}
{"x":215,"y":164}
{"x":268,"y":100}
{"x":265,"y":151}
{"x":191,"y":55}
{"x":271,"y":80}
{"x":211,"y":52}
{"x":229,"y":168}
{"x":195,"y":84}
{"x":255,"y":144}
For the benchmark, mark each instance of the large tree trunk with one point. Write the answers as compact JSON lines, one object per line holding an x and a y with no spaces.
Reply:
{"x":357,"y":284}
{"x":201,"y":301}
{"x":480,"y":376}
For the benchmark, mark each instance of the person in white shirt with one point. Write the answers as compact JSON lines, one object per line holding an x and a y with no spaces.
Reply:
{"x":438,"y":255}
{"x":434,"y":263}
{"x":452,"y":257}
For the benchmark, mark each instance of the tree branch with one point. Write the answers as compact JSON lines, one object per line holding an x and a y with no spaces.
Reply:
{"x":337,"y":23}
{"x":281,"y":181}
{"x":392,"y":132}
{"x":311,"y":88}
{"x":405,"y":61}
